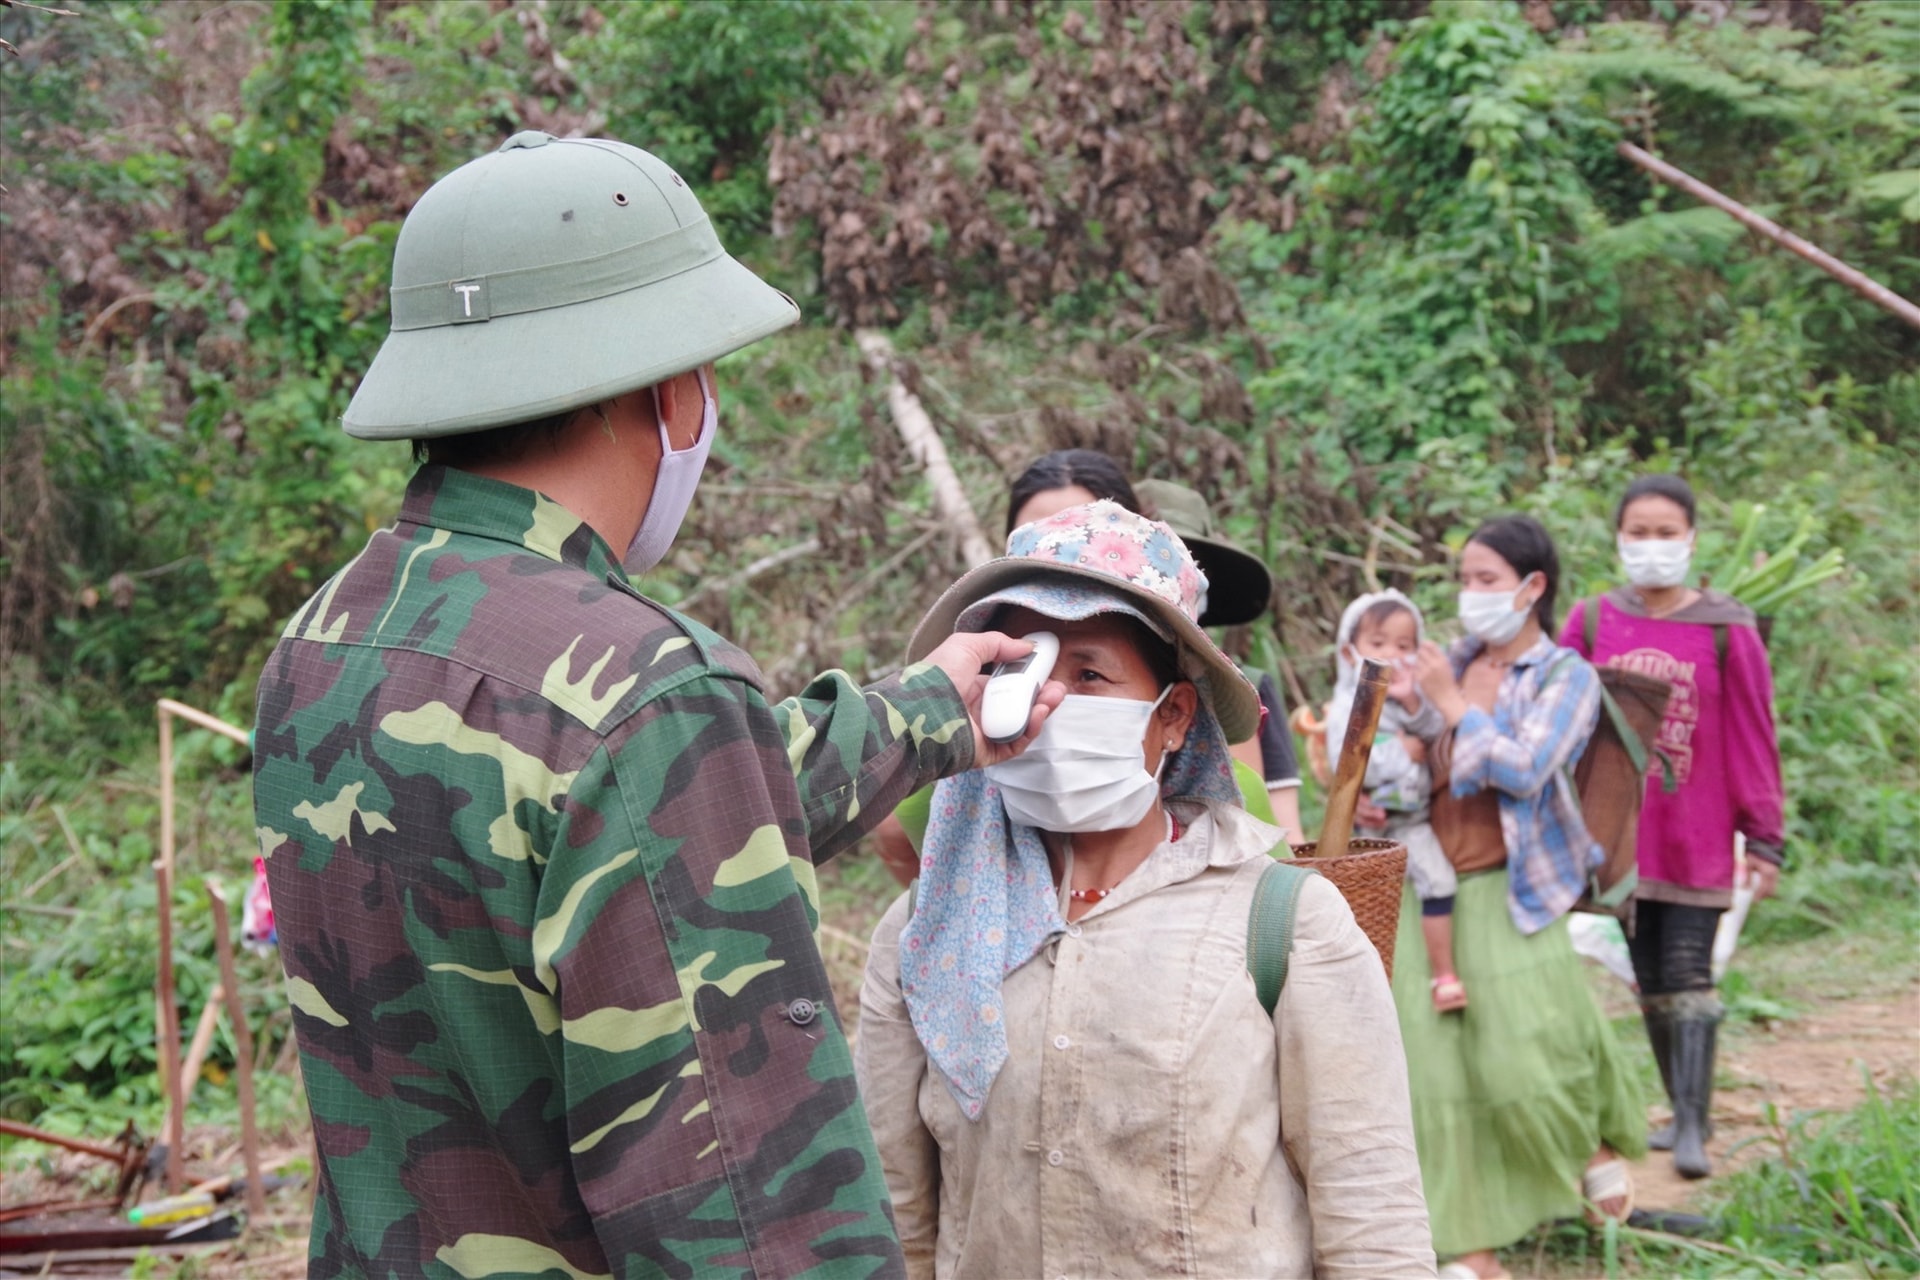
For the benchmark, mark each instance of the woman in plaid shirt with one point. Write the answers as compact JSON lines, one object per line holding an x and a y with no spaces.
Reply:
{"x":1522,"y":1103}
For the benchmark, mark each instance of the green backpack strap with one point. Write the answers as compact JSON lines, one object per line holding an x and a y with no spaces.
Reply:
{"x":1270,"y":929}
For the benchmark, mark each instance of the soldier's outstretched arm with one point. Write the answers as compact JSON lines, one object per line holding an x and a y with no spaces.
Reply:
{"x":857,"y":753}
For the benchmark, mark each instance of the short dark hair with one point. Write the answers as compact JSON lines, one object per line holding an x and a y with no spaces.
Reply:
{"x":1089,"y":468}
{"x":1525,"y":544}
{"x":1377,"y":613}
{"x":1659,"y":485}
{"x":494,"y":444}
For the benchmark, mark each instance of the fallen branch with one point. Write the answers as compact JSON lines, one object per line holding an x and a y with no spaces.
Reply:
{"x":765,"y":564}
{"x":1872,"y":290}
{"x":99,"y":322}
{"x":923,"y":442}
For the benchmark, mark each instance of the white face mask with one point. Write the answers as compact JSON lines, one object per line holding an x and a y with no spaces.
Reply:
{"x":1086,"y":770}
{"x":1657,"y":562}
{"x":673,"y":484}
{"x":1494,"y":616}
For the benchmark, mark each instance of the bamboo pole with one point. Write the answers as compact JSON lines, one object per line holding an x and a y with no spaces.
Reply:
{"x":1872,"y":290}
{"x":166,"y":1001}
{"x":167,"y":1006}
{"x":924,"y":443}
{"x":202,"y":1042}
{"x":1350,"y":772}
{"x":243,"y":1050}
{"x":195,"y":716}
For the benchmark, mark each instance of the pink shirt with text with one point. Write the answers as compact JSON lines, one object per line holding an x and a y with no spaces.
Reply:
{"x":1718,"y":733}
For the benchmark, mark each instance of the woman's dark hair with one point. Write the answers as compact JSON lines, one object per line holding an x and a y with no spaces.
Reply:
{"x":1089,"y":468}
{"x":1670,"y":487}
{"x":1525,"y":545}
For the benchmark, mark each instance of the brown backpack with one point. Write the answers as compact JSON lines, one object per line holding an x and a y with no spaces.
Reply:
{"x":1610,"y":781}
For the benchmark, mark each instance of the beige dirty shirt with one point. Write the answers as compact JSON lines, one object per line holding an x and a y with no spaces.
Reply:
{"x":1132,"y":1131}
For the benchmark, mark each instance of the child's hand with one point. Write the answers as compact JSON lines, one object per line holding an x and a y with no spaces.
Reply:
{"x":1416,"y":750}
{"x":1400,"y":687}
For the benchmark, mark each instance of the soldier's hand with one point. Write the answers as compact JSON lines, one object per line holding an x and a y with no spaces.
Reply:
{"x":968,"y":658}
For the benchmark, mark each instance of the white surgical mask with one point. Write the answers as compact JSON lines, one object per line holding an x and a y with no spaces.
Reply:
{"x":1086,"y":770}
{"x":673,"y":484}
{"x":1657,"y":562}
{"x":1494,"y":616}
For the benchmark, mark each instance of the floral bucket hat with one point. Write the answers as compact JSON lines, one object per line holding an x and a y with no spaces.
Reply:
{"x":1101,"y":544}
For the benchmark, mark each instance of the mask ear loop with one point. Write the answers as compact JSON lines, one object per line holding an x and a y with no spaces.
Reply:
{"x":708,"y":415}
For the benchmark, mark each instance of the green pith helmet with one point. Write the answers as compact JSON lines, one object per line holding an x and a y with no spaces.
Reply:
{"x":1238,"y":584}
{"x":548,"y":275}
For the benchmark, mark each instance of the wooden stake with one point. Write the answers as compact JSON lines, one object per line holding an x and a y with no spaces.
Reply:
{"x":1872,"y":290}
{"x":243,"y":1050}
{"x":924,"y":443}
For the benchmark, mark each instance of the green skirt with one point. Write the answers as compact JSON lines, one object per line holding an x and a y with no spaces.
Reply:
{"x":1513,"y":1095}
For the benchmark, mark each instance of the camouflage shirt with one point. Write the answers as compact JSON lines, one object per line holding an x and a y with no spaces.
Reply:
{"x":542,"y":863}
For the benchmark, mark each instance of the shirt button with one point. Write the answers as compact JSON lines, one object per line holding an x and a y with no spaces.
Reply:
{"x":1073,"y":931}
{"x":1056,"y":1158}
{"x":802,"y":1011}
{"x":1061,"y":1042}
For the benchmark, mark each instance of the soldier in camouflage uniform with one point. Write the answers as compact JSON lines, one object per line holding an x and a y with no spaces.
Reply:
{"x":542,"y":854}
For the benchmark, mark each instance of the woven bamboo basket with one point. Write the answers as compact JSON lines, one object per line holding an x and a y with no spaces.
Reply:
{"x":1368,"y":875}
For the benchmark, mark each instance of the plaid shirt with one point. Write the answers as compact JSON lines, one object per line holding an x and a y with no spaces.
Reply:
{"x":1546,"y":709}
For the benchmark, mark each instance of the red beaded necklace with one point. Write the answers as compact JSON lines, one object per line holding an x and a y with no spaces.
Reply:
{"x":1174,"y":832}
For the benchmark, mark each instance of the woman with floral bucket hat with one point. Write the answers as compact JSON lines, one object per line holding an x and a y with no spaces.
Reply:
{"x":1065,"y":1061}
{"x":1263,"y":765}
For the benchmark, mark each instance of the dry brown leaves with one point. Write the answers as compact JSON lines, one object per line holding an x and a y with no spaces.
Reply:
{"x":1104,"y":157}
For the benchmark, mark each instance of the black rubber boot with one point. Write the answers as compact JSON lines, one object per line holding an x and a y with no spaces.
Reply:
{"x":1657,"y":1013}
{"x":1696,"y":1022}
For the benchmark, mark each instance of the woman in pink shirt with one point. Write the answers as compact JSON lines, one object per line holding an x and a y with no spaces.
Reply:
{"x":1718,"y":734}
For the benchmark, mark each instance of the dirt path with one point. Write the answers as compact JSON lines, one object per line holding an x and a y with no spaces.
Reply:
{"x":1812,"y":1062}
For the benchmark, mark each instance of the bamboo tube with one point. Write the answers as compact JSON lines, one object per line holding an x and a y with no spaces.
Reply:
{"x":243,"y":1051}
{"x":1350,"y":772}
{"x":1867,"y":287}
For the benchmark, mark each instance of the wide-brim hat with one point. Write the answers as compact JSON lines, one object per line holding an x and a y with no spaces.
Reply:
{"x":549,"y":275}
{"x":1140,"y":566}
{"x":1239,"y":585}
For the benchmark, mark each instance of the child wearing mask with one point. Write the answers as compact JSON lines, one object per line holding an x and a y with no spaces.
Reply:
{"x":1387,"y":627}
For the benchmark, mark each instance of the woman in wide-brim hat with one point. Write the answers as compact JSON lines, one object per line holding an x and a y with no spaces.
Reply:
{"x":1065,"y":1062}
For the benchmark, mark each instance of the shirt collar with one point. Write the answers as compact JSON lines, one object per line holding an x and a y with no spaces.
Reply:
{"x":1467,"y":648}
{"x":441,"y":497}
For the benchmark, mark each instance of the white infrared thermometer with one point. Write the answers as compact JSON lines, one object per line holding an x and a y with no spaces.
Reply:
{"x":1013,"y":687}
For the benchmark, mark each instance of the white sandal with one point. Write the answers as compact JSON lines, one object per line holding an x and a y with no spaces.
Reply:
{"x":1612,"y":1180}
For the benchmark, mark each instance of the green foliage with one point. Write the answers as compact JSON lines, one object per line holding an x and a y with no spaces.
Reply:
{"x":1836,"y":1195}
{"x":1362,"y":275}
{"x":1837,"y":1189}
{"x":704,"y":85}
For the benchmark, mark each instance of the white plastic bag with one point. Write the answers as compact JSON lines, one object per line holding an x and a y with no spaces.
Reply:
{"x":1600,"y":938}
{"x":1727,"y":937}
